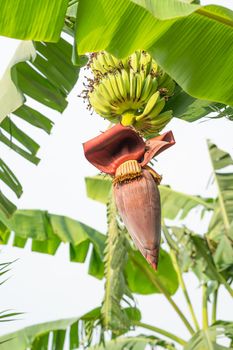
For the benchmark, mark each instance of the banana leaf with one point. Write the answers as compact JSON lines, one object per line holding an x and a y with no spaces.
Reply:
{"x":47,"y":80}
{"x":220,"y":230}
{"x":47,"y":231}
{"x":185,"y":39}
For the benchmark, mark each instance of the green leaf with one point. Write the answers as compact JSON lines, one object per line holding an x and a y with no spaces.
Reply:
{"x":200,"y":67}
{"x":190,"y":109}
{"x":194,"y":254}
{"x":98,"y":187}
{"x":76,"y":331}
{"x":31,"y":337}
{"x":140,"y":275}
{"x":167,"y":9}
{"x":10,"y":180}
{"x":177,"y":203}
{"x":48,"y":80}
{"x":15,"y":133}
{"x":220,"y":231}
{"x":48,"y":231}
{"x":28,"y":19}
{"x":207,"y":339}
{"x":34,"y":118}
{"x":6,"y":206}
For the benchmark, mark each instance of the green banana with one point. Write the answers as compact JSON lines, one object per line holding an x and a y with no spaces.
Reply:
{"x":158,"y":107}
{"x":138,"y":85}
{"x":132,"y":84}
{"x":149,"y":106}
{"x":132,"y":90}
{"x":146,"y":89}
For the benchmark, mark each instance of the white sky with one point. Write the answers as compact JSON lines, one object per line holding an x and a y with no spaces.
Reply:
{"x":47,"y":287}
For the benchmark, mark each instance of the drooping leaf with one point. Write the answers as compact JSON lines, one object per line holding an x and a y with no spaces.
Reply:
{"x":200,"y":67}
{"x":32,"y":337}
{"x":6,"y":206}
{"x":37,"y":20}
{"x":48,"y":231}
{"x":8,"y":177}
{"x":48,"y":80}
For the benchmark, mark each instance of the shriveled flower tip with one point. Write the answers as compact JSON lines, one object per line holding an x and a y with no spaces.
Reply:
{"x":119,"y":144}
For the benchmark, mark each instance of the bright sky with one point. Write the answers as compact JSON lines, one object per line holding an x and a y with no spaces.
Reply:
{"x":47,"y":287}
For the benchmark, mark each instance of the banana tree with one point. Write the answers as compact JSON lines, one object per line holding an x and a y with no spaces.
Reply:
{"x":193,"y":92}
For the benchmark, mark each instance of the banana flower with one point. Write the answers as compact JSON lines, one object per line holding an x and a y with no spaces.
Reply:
{"x":122,"y":153}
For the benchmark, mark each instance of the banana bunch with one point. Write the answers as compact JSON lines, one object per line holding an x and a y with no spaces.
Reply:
{"x":133,"y":91}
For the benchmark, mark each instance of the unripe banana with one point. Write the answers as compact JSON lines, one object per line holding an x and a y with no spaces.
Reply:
{"x":125,"y":78}
{"x":146,"y":89}
{"x":138,"y":85}
{"x":132,"y":85}
{"x":158,"y":107}
{"x":132,"y":90}
{"x":121,"y":86}
{"x":149,"y":106}
{"x":114,"y":85}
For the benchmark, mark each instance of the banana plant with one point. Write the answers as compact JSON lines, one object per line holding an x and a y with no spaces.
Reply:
{"x":47,"y":21}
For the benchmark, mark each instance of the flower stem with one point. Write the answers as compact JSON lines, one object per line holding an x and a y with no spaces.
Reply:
{"x":214,"y":307}
{"x":204,"y":307}
{"x":184,"y":289}
{"x":161,"y":331}
{"x":159,"y":285}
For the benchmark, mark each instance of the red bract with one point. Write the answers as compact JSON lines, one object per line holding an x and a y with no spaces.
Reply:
{"x":122,"y":153}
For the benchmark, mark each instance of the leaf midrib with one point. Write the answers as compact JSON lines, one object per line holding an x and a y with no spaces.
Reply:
{"x":203,"y":12}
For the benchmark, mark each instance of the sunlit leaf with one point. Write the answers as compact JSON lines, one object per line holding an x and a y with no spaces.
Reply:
{"x":200,"y":67}
{"x":37,"y":20}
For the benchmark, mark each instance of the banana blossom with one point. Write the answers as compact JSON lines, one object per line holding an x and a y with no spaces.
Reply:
{"x":122,"y":153}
